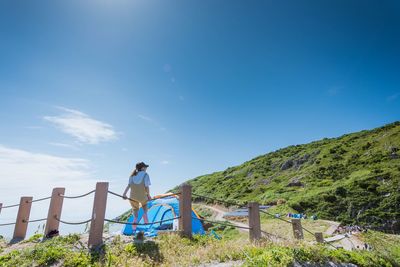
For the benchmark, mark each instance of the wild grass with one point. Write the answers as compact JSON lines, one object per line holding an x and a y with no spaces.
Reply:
{"x":387,"y":245}
{"x":285,"y":230}
{"x":172,"y":250}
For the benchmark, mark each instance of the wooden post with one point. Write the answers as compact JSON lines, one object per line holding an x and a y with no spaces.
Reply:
{"x":55,"y":208}
{"x":297,"y":229}
{"x":98,"y":214}
{"x":21,"y":224}
{"x":319,"y":237}
{"x":185,"y":211}
{"x":1,"y":206}
{"x":254,"y":221}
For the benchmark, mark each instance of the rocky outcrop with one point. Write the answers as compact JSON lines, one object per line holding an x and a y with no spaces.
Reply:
{"x":266,"y":181}
{"x":296,"y":182}
{"x":295,"y":163}
{"x":287,"y":165}
{"x":393,"y":152}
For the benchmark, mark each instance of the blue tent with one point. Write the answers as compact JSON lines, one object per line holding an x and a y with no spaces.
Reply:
{"x":162,"y":209}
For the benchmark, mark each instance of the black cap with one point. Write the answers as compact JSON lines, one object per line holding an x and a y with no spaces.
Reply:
{"x":141,"y":165}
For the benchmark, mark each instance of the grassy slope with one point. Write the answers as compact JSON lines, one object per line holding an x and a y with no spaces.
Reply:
{"x":352,"y":179}
{"x":171,"y":250}
{"x":387,"y":245}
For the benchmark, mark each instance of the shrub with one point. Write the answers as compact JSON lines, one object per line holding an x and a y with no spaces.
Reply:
{"x":272,"y":256}
{"x":48,"y":254}
{"x":280,"y":201}
{"x":33,"y":239}
{"x":76,"y":259}
{"x":341,"y":191}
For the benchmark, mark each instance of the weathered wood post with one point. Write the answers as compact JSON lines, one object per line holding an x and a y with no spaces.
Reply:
{"x":98,"y":215}
{"x":55,"y":209}
{"x":1,"y":206}
{"x":185,"y":211}
{"x":297,"y":229}
{"x":319,"y":237}
{"x":21,"y":224}
{"x":254,"y":221}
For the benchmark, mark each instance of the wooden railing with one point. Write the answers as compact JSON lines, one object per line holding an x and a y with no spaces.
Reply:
{"x":97,"y":219}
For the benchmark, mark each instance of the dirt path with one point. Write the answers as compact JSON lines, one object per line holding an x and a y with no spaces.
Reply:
{"x":350,"y":242}
{"x":334,"y":226}
{"x":219,"y":216}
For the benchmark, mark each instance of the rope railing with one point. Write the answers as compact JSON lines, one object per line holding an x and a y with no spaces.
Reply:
{"x":6,"y":224}
{"x":30,"y":201}
{"x":10,"y":206}
{"x":79,"y":196}
{"x":36,"y":220}
{"x":231,"y":203}
{"x":141,"y":224}
{"x":242,"y":205}
{"x":308,"y":231}
{"x":24,"y":221}
{"x":166,"y":196}
{"x":279,"y":218}
{"x":38,"y":200}
{"x":325,"y":242}
{"x":305,"y":229}
{"x":275,"y":236}
{"x":185,"y":202}
{"x":222,"y":223}
{"x":121,"y":196}
{"x":72,"y":223}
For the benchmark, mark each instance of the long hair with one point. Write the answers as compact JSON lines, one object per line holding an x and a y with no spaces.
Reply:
{"x":137,"y":169}
{"x":135,"y":172}
{"x":139,"y":166}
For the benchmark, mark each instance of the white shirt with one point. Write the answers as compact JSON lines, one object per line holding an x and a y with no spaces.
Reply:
{"x":138,"y":178}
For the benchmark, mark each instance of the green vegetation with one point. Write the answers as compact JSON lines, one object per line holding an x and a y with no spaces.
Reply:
{"x":42,"y":254}
{"x":3,"y":243}
{"x":387,"y":245}
{"x":35,"y":238}
{"x":354,"y":179}
{"x":285,"y":230}
{"x":203,"y":211}
{"x":273,"y":255}
{"x":171,"y":250}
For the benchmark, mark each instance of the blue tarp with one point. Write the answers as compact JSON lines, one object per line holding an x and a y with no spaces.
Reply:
{"x":161,"y":209}
{"x":243,"y":212}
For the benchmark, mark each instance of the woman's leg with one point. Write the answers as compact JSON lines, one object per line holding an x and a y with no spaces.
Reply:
{"x":135,"y":219}
{"x":135,"y":212}
{"x":145,"y":217}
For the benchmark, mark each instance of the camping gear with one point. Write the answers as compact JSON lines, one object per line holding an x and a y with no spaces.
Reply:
{"x":161,"y":208}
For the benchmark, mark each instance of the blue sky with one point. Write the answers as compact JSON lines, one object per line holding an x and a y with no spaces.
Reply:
{"x":88,"y":88}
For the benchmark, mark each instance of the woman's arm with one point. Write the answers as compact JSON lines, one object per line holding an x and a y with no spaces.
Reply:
{"x":126,"y":191}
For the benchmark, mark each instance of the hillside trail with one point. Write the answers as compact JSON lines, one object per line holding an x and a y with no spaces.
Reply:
{"x":352,"y":242}
{"x":219,"y":216}
{"x":332,"y":228}
{"x":348,"y":242}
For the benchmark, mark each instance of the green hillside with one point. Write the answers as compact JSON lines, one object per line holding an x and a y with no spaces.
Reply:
{"x":354,"y":179}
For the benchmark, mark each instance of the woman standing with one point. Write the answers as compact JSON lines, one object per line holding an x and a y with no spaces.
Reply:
{"x":139,"y":183}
